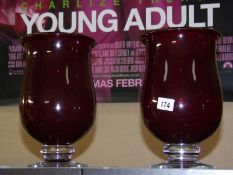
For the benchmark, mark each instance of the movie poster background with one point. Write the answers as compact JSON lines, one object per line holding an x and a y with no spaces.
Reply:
{"x":224,"y":24}
{"x":118,"y":61}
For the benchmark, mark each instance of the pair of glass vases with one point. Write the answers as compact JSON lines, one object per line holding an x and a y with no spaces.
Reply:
{"x":181,"y":99}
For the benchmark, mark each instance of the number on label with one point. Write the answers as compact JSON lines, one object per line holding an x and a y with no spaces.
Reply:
{"x":166,"y":104}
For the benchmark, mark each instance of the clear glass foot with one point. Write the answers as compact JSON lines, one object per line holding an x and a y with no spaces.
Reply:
{"x":57,"y":156}
{"x":182,"y":156}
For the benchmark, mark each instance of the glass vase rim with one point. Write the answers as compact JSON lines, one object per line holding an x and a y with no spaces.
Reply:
{"x":58,"y":34}
{"x":216,"y":33}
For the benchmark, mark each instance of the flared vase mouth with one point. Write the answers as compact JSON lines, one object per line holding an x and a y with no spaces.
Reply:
{"x":26,"y":37}
{"x":144,"y":38}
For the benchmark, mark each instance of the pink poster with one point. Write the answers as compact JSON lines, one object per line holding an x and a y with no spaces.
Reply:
{"x":118,"y":60}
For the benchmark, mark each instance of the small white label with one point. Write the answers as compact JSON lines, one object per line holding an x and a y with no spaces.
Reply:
{"x":165,"y":104}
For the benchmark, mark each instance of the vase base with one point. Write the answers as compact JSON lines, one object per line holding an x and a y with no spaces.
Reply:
{"x":57,"y":164}
{"x":177,"y":164}
{"x":182,"y":155}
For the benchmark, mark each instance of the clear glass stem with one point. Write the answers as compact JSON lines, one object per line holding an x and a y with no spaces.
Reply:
{"x":57,"y":156}
{"x":182,"y":156}
{"x":60,"y":153}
